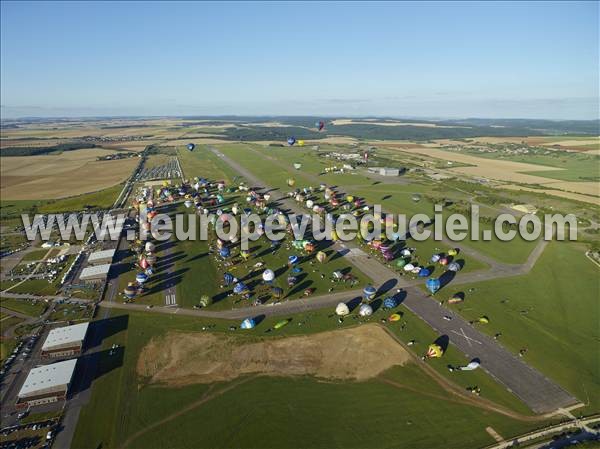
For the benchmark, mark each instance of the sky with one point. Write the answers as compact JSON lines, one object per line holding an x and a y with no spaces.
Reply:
{"x":435,"y":60}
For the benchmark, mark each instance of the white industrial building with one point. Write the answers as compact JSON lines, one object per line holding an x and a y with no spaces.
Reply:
{"x":385,"y":171}
{"x":65,"y":341}
{"x":46,"y":384}
{"x":95,"y":273}
{"x":101,"y":257}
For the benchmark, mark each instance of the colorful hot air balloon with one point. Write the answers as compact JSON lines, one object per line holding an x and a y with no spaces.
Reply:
{"x":390,"y":302}
{"x":453,"y":252}
{"x":394,"y":317}
{"x":141,"y":278}
{"x":281,"y":323}
{"x":342,"y":309}
{"x":228,"y":278}
{"x":320,"y":125}
{"x":224,"y":252}
{"x":291,"y":141}
{"x":454,"y":266}
{"x":277,"y":292}
{"x":205,"y":301}
{"x":292,"y":260}
{"x":248,"y":323}
{"x":291,"y":182}
{"x":297,"y":165}
{"x":239,"y":288}
{"x":400,"y":263}
{"x":433,"y":285}
{"x":434,"y":351}
{"x":301,"y":143}
{"x":150,"y":247}
{"x":369,"y":292}
{"x":129,"y":291}
{"x":424,"y":272}
{"x":191,"y":146}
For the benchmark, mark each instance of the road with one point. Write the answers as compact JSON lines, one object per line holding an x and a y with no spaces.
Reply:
{"x":540,"y":393}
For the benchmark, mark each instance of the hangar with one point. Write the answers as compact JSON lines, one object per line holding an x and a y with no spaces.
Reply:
{"x":97,"y":273}
{"x":101,"y":257}
{"x":46,"y":384}
{"x":65,"y":341}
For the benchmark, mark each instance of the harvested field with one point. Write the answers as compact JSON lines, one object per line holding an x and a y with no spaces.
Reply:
{"x":391,"y":123}
{"x":353,"y":354}
{"x":58,"y":176}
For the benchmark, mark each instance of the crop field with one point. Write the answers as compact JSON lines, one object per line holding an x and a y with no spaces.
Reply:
{"x":58,"y":176}
{"x":403,"y":398}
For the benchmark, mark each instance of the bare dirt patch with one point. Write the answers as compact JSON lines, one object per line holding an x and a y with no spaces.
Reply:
{"x":353,"y":354}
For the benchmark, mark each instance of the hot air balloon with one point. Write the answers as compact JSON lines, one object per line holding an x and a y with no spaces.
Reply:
{"x":151,"y":259}
{"x":143,"y":264}
{"x":188,"y":203}
{"x":483,"y":320}
{"x":433,"y":285}
{"x":191,"y":146}
{"x":474,"y":364}
{"x":369,"y":292}
{"x":301,"y":143}
{"x":443,"y":261}
{"x":458,"y":297}
{"x":268,"y":275}
{"x":400,"y":263}
{"x":281,"y":323}
{"x":150,"y":247}
{"x":291,"y":141}
{"x":205,"y":301}
{"x":239,"y":288}
{"x":454,"y":266}
{"x":141,"y":278}
{"x":277,"y":292}
{"x":394,"y":317}
{"x":129,"y":291}
{"x":321,"y":256}
{"x":228,"y":278}
{"x":435,"y":258}
{"x":297,"y":165}
{"x":342,"y":309}
{"x":434,"y":351}
{"x":408,"y":267}
{"x":405,"y":252}
{"x":224,"y":252}
{"x":390,"y":302}
{"x":424,"y":272}
{"x":416,"y":197}
{"x":320,"y":125}
{"x":291,"y":182}
{"x":453,"y":252}
{"x":248,"y":323}
{"x":292,"y":260}
{"x":365,"y":310}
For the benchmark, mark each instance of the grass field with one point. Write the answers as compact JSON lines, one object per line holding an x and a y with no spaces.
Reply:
{"x":6,"y":345}
{"x":32,"y":308}
{"x":123,"y":410}
{"x":553,"y":313}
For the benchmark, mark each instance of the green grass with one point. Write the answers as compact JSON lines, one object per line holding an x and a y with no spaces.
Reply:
{"x":38,"y":255}
{"x":280,"y":412}
{"x":70,"y":312}
{"x":32,"y":308}
{"x":553,"y":312}
{"x":6,"y":344}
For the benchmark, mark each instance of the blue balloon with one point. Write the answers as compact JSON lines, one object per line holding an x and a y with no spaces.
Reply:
{"x":240,"y":287}
{"x":424,"y":272}
{"x":433,"y":285}
{"x":191,"y":146}
{"x":293,"y":260}
{"x":291,"y":141}
{"x":390,"y":302}
{"x":248,"y":323}
{"x":224,"y":252}
{"x":369,"y":292}
{"x":228,"y":278}
{"x":141,"y":278}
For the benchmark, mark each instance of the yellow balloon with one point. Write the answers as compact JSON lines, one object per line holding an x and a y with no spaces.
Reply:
{"x":301,"y":143}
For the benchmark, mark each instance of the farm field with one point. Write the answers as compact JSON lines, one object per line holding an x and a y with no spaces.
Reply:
{"x":26,"y":307}
{"x":402,"y":397}
{"x":58,"y":176}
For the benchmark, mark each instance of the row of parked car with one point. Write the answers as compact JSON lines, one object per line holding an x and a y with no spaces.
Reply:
{"x":27,"y":344}
{"x":30,"y":441}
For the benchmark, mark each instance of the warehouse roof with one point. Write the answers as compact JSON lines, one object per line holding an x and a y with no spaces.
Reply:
{"x":48,"y":376}
{"x":65,"y":335}
{"x":101,"y":255}
{"x":94,"y":272}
